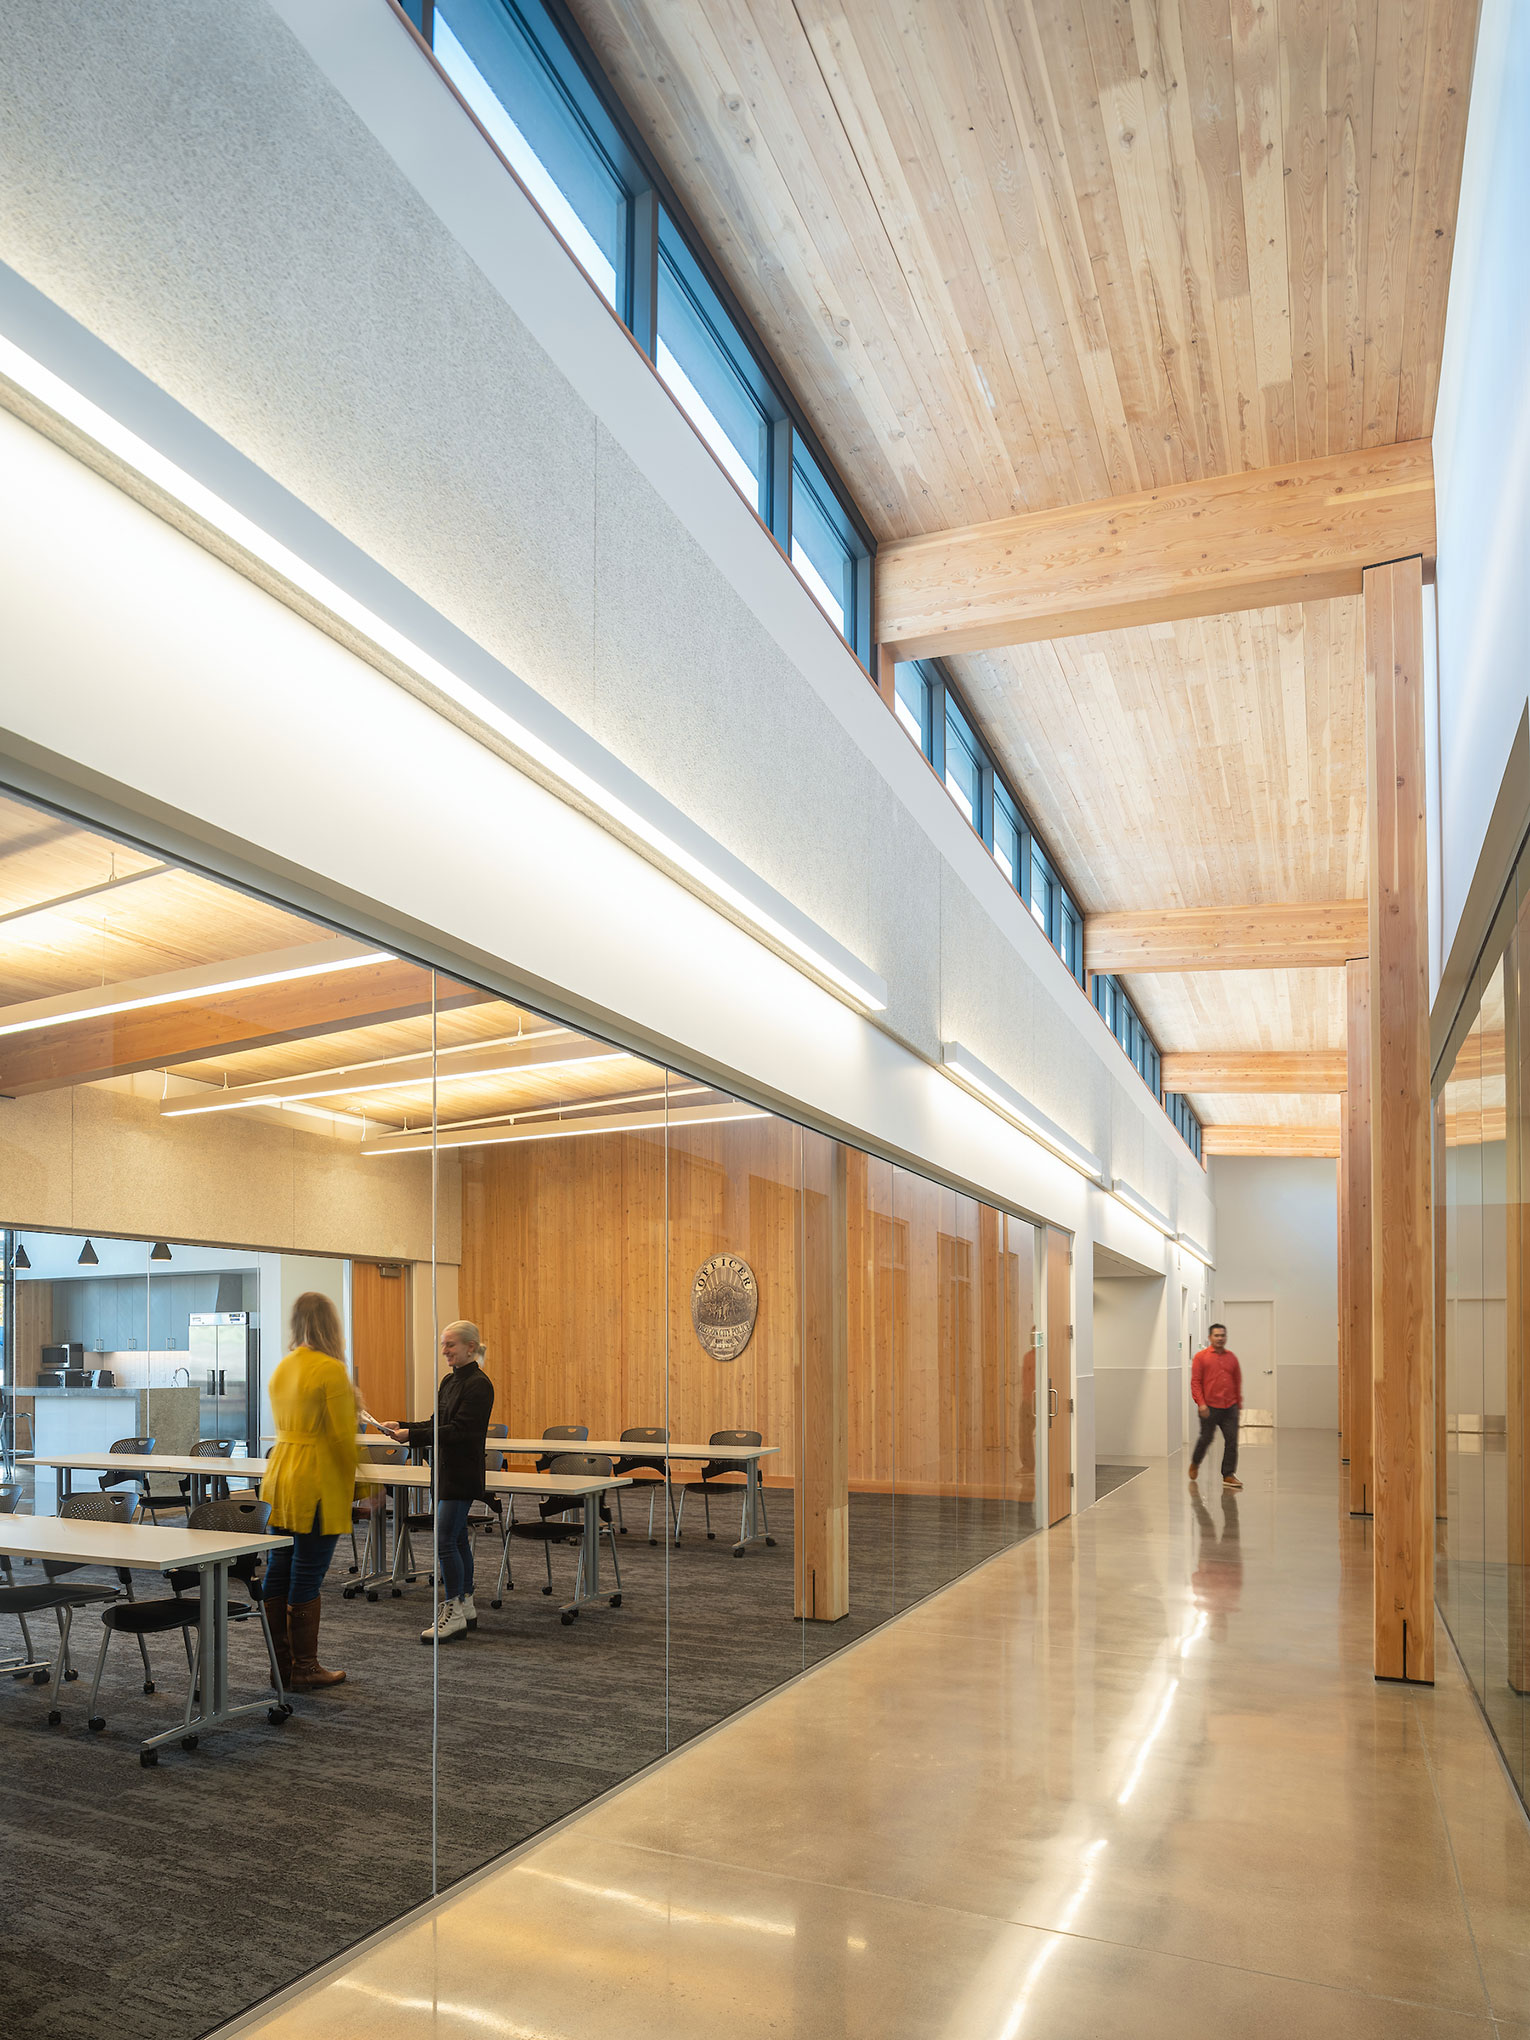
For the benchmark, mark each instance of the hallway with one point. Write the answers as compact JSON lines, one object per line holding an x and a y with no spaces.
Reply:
{"x":1133,"y":1776}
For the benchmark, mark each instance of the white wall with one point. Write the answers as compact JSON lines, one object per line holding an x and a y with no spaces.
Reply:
{"x":417,"y":360}
{"x":1132,"y":1367}
{"x":1278,"y":1237}
{"x":1482,"y":457}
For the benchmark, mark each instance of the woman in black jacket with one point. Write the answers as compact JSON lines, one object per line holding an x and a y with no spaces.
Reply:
{"x":464,"y":1405}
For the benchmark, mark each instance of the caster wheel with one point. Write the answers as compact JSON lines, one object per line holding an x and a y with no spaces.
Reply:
{"x":567,"y":1616}
{"x":771,"y":1542}
{"x":188,"y":1742}
{"x":623,"y":1528}
{"x":547,"y":1590}
{"x":148,"y":1758}
{"x":39,"y":1678}
{"x":353,"y":1568}
{"x":651,"y":1542}
{"x":72,"y":1673}
{"x":738,"y":1551}
{"x":615,"y":1601}
{"x":276,"y":1716}
{"x":711,"y":1536}
{"x":371,"y":1597}
{"x":97,"y":1723}
{"x":496,"y":1604}
{"x":54,"y":1717}
{"x":148,"y":1685}
{"x":398,"y":1594}
{"x":347,"y":1593}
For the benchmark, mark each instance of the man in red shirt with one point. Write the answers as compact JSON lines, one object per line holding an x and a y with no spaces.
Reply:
{"x":1216,"y":1383}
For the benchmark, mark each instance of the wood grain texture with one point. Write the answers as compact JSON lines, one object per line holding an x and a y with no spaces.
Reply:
{"x":1292,"y":935}
{"x":1303,"y":532}
{"x":1358,"y":1241}
{"x":1517,"y":1310}
{"x":1402,"y":1254}
{"x":1321,"y":1141}
{"x":1015,"y":255}
{"x":1342,"y":1299}
{"x":1440,"y":1223}
{"x":821,"y":1499}
{"x":380,"y":1335}
{"x":1295,"y":1070}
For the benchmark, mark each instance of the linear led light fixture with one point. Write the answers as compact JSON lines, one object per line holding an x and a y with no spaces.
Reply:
{"x":245,"y":1103}
{"x":964,"y":1068}
{"x":672,"y":836}
{"x":73,"y":1006}
{"x":1135,"y":1201}
{"x":1195,"y":1250}
{"x":565,"y":1129}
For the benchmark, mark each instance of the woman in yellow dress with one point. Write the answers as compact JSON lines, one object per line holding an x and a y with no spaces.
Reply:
{"x":309,"y":1482}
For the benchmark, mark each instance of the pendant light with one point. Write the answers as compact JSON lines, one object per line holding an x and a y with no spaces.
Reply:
{"x":21,"y":1258}
{"x":159,"y":1251}
{"x":88,"y":1256}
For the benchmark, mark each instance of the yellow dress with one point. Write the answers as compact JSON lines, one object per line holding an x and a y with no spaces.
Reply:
{"x":312,"y":1468}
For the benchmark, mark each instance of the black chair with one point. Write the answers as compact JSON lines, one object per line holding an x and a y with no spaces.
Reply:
{"x":629,"y":1464}
{"x":49,"y":1595}
{"x":156,"y":1618}
{"x":724,"y":1476}
{"x":560,"y":1520}
{"x":577,"y":1433}
{"x":204,"y":1448}
{"x":371,"y":1510}
{"x":138,"y":1448}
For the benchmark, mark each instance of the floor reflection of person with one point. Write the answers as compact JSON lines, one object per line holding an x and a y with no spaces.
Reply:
{"x":309,"y":1481}
{"x":1217,"y":1581}
{"x":1216,"y":1383}
{"x":460,"y":1431}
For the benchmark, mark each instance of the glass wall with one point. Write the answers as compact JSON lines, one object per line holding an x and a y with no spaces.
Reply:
{"x":753,"y":1392}
{"x":1483,"y":1530}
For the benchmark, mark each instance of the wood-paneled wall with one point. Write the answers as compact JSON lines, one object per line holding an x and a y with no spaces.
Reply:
{"x":578,"y":1258}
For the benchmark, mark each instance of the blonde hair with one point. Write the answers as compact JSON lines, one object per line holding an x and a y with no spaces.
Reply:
{"x":464,"y":1329}
{"x":316,"y":1324}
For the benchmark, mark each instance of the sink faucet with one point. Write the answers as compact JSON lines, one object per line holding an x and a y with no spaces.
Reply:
{"x":181,"y":1377}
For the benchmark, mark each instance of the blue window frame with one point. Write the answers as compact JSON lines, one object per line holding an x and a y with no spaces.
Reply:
{"x":533,"y":82}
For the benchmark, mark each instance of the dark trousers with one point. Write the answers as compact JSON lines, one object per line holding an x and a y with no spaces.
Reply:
{"x":296,"y":1572}
{"x":456,"y":1548}
{"x":1225,"y":1421}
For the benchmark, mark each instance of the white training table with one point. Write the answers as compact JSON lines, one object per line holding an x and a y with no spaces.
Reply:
{"x":203,"y":1472}
{"x":154,"y":1547}
{"x":746,"y":1456}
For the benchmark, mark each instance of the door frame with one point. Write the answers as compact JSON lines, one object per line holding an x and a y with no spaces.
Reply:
{"x":1060,"y":1430}
{"x":1232,"y":1303}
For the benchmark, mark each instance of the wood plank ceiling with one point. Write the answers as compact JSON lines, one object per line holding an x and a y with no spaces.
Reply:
{"x":1017,"y":254}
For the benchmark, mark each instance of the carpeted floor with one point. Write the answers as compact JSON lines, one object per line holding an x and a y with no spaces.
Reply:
{"x":154,"y":1904}
{"x":1108,"y":1478}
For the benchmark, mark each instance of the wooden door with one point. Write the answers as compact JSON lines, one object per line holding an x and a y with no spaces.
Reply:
{"x":1059,"y":1307}
{"x":380,"y":1335}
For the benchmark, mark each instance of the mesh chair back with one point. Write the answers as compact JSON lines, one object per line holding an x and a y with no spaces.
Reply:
{"x":637,"y":1462}
{"x":577,"y":1432}
{"x":385,"y":1455}
{"x":10,"y":1495}
{"x":212,"y":1448}
{"x":503,"y":1431}
{"x":238,"y":1512}
{"x":585,"y":1465}
{"x":140,"y":1448}
{"x":91,"y":1509}
{"x":716,"y":1469}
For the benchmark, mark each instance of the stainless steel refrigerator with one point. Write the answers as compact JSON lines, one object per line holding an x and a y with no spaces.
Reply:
{"x":226,"y":1372}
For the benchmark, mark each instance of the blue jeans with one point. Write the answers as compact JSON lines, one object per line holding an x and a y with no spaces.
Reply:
{"x":456,"y":1548}
{"x":295,"y":1573}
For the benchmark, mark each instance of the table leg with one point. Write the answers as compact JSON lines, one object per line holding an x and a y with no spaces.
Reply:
{"x":213,"y":1709}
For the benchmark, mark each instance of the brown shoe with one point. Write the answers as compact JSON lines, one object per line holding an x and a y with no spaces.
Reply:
{"x":307,"y":1672}
{"x":276,"y":1615}
{"x":1195,"y":1473}
{"x":1231,"y":1480}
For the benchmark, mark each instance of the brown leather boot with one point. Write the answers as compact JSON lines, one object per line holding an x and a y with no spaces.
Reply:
{"x":276,"y":1615}
{"x":307,"y":1672}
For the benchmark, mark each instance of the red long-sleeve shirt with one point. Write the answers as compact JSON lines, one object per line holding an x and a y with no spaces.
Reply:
{"x":1216,"y":1380}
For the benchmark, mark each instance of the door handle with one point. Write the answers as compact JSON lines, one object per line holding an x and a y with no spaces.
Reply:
{"x":1051,"y":1402}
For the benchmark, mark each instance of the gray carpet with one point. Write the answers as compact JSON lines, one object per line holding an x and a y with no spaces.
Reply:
{"x":1108,"y":1478}
{"x":154,"y":1904}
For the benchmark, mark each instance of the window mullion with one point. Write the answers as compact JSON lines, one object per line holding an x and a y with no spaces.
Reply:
{"x":642,"y":308}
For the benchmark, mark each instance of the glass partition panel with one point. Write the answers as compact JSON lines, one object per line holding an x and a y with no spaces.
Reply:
{"x":1460,"y":1581}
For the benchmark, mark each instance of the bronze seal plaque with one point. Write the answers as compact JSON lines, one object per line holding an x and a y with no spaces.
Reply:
{"x":725,"y":1301}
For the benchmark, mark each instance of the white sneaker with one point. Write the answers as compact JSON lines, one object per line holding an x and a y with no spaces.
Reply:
{"x":470,"y":1613}
{"x":449,"y":1622}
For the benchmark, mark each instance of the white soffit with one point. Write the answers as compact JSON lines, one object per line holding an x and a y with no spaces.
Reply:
{"x":60,"y":378}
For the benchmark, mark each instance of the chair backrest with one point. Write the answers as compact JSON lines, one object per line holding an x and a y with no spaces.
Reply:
{"x":213,"y":1448}
{"x":577,"y":1432}
{"x":10,"y":1495}
{"x":385,"y":1455}
{"x":723,"y":1469}
{"x":92,"y":1509}
{"x":590,"y":1465}
{"x":637,"y":1462}
{"x":138,"y":1448}
{"x":239,"y":1512}
{"x":736,"y":1438}
{"x":645,"y":1434}
{"x":502,"y":1431}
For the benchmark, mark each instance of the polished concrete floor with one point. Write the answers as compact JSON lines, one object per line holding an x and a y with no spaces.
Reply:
{"x":1132,"y":1777}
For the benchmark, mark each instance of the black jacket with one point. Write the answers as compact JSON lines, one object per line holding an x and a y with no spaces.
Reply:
{"x":464,"y":1406}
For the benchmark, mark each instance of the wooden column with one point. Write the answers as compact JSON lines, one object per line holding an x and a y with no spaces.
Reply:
{"x":1441,"y":1287}
{"x":1357,"y":1235}
{"x":821,"y":1503}
{"x":1402,"y":1250}
{"x":1343,"y":1296}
